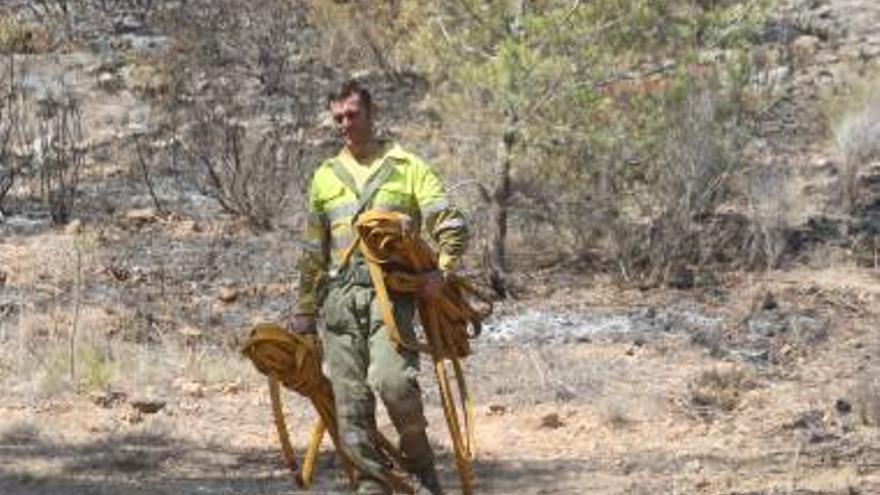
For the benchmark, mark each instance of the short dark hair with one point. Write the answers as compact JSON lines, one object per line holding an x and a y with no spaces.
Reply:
{"x":349,"y":88}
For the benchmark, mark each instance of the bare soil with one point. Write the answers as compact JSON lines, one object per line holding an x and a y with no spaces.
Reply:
{"x":618,"y":412}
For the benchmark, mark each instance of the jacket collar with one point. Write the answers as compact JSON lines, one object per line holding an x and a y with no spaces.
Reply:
{"x":392,"y":150}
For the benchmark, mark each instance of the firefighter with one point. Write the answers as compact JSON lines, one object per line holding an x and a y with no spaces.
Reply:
{"x":360,"y":360}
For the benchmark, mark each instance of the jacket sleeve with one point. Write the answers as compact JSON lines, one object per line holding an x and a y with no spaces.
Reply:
{"x":444,"y":223}
{"x":315,"y":255}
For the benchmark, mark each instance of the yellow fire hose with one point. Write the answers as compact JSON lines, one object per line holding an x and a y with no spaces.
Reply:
{"x":398,"y":261}
{"x":294,"y":360}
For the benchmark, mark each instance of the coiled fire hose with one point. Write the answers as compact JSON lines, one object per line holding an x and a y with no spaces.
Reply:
{"x":398,"y":261}
{"x":294,"y":360}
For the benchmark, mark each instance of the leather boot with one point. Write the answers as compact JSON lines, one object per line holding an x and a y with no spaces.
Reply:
{"x":429,"y":481}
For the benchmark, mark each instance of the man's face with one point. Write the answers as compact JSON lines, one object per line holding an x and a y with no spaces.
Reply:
{"x":353,"y":120}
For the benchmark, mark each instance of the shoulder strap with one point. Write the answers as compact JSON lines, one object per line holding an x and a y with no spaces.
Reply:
{"x":345,"y":177}
{"x":370,"y":188}
{"x":373,"y":184}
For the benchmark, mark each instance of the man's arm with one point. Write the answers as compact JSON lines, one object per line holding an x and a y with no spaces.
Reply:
{"x":313,"y":263}
{"x":444,"y":223}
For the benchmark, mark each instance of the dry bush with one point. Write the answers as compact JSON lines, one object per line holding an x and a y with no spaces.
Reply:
{"x":828,"y":255}
{"x":236,"y":105}
{"x":61,"y":156}
{"x":697,"y":155}
{"x":695,"y":168}
{"x":56,"y":16}
{"x":150,"y":78}
{"x":857,"y":134}
{"x":11,"y":165}
{"x":46,"y":345}
{"x":50,"y":140}
{"x":15,"y":36}
{"x":171,"y":358}
{"x":251,"y":173}
{"x":55,"y":344}
{"x":18,"y":37}
{"x":219,"y":365}
{"x":146,"y":157}
{"x":770,"y":203}
{"x":719,"y":389}
{"x":94,"y":369}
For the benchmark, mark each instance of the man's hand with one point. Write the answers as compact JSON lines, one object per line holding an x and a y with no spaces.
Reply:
{"x":433,"y":287}
{"x":303,"y":324}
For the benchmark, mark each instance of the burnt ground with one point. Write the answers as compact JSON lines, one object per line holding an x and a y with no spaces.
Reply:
{"x":759,"y":383}
{"x":724,"y":392}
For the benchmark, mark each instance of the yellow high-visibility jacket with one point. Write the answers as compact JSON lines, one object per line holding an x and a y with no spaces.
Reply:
{"x":403,"y":183}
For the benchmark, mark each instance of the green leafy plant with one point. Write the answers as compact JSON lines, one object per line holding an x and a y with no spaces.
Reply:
{"x":580,"y":117}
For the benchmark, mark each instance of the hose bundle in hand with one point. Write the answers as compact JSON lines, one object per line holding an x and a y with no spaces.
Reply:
{"x":294,"y":360}
{"x":400,"y":261}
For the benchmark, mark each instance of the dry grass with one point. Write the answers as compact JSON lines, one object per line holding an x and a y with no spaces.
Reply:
{"x":73,"y":328}
{"x":38,"y":352}
{"x":517,"y":377}
{"x":720,"y":388}
{"x":44,"y":262}
{"x":36,"y":356}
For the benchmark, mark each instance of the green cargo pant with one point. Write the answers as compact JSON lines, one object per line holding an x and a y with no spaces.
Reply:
{"x":360,"y":359}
